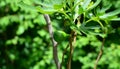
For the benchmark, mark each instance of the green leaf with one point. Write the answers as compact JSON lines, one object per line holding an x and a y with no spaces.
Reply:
{"x":115,"y":19}
{"x":12,"y":56}
{"x":8,"y":42}
{"x":49,"y":7}
{"x":90,"y":30}
{"x":86,"y":3}
{"x":94,"y":5}
{"x":110,"y":14}
{"x":20,"y":30}
{"x":105,"y":8}
{"x":40,"y":20}
{"x":93,"y":27}
{"x":12,"y":41}
{"x":44,"y":4}
{"x":80,"y":10}
{"x":75,"y":28}
{"x":58,"y":7}
{"x":45,"y":10}
{"x":42,"y":33}
{"x":26,"y":6}
{"x":83,"y":29}
{"x":102,"y":11}
{"x":14,"y":7}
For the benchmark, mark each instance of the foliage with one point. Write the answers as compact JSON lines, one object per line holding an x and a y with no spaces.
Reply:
{"x":25,"y":41}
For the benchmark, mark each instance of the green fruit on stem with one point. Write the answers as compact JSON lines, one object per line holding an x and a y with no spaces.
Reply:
{"x":60,"y":36}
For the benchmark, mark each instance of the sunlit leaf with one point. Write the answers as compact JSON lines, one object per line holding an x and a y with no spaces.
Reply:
{"x":12,"y":56}
{"x":45,"y":10}
{"x":94,"y":5}
{"x":49,"y":7}
{"x":20,"y":30}
{"x":105,"y":8}
{"x":42,"y":33}
{"x":110,"y":14}
{"x":115,"y":19}
{"x":80,"y":10}
{"x":44,"y":4}
{"x":58,"y":7}
{"x":86,"y":3}
{"x":26,"y":6}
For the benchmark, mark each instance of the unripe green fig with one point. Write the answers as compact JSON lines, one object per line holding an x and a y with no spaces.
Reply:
{"x":60,"y":36}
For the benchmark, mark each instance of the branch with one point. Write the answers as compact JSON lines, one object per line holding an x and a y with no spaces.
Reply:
{"x":100,"y":54}
{"x":64,"y":54}
{"x":72,"y":43}
{"x":55,"y":52}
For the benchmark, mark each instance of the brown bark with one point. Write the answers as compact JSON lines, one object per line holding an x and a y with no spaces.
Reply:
{"x":55,"y":52}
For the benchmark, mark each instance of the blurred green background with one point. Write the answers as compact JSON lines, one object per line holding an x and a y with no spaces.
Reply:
{"x":25,"y":42}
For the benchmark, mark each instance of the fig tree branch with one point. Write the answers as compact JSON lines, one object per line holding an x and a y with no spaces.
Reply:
{"x":65,"y":50}
{"x":100,"y":54}
{"x":55,"y":52}
{"x":72,"y":43}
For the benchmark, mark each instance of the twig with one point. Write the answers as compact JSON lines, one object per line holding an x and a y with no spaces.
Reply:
{"x":70,"y":56}
{"x":55,"y":52}
{"x":100,"y":54}
{"x":72,"y":42}
{"x":63,"y":55}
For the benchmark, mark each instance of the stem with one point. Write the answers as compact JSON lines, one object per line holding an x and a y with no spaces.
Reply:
{"x":65,"y":14}
{"x":89,"y":20}
{"x":100,"y":24}
{"x":100,"y":54}
{"x":72,"y":43}
{"x":55,"y":52}
{"x":63,"y":55}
